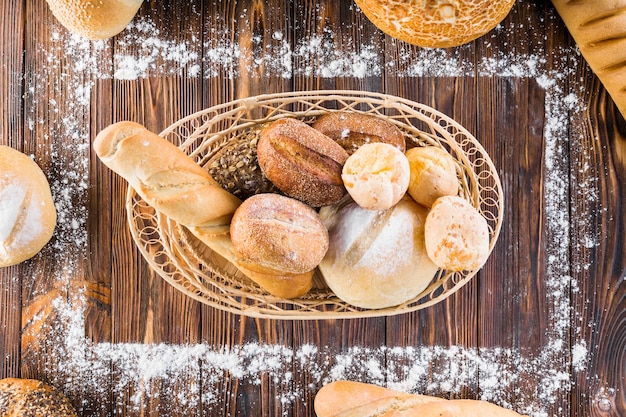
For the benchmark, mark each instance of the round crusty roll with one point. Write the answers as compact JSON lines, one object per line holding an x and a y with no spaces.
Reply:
{"x":376,"y":258}
{"x":436,"y":23}
{"x":351,"y":130}
{"x":376,"y":175}
{"x":27,"y":213}
{"x":94,"y":19}
{"x":274,"y":234}
{"x":433,"y":174}
{"x":302,"y":162}
{"x":29,"y":397}
{"x":456,"y":234}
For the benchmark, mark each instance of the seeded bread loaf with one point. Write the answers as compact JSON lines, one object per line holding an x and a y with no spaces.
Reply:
{"x":29,"y":397}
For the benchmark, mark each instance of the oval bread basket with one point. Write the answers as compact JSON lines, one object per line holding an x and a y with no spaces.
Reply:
{"x":192,"y":268}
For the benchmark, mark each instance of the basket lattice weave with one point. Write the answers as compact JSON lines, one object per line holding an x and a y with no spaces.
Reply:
{"x":192,"y":268}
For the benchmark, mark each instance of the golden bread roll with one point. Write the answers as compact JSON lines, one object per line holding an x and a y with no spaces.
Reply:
{"x":436,"y":23}
{"x":176,"y":186}
{"x":302,"y":162}
{"x":272,"y":233}
{"x":29,"y":397}
{"x":94,"y":19}
{"x":357,"y":399}
{"x":27,"y":213}
{"x":598,"y":27}
{"x":376,"y":258}
{"x":351,"y":130}
{"x":433,"y":174}
{"x":456,"y":234}
{"x":376,"y":175}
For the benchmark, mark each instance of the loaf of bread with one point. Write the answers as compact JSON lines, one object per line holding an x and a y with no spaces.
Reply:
{"x":433,"y":174}
{"x":376,"y":175}
{"x":27,"y":212}
{"x":274,"y":234}
{"x":376,"y":258}
{"x":29,"y":397}
{"x":302,"y":162}
{"x":176,"y":186}
{"x":356,"y":399}
{"x":94,"y":19}
{"x":598,"y":27}
{"x":352,"y":129}
{"x":436,"y":24}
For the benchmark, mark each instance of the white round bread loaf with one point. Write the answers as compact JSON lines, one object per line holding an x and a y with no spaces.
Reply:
{"x":457,"y":235}
{"x":27,"y":212}
{"x":29,"y":397}
{"x":376,"y":258}
{"x":94,"y":19}
{"x":436,"y":23}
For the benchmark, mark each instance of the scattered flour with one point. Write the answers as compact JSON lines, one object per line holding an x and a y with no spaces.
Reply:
{"x":130,"y":370}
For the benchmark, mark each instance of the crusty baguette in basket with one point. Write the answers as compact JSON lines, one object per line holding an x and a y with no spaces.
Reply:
{"x":599,"y":29}
{"x":176,"y":186}
{"x":357,"y":399}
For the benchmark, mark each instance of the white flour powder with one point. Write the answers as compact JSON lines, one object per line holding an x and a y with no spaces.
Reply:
{"x":81,"y":366}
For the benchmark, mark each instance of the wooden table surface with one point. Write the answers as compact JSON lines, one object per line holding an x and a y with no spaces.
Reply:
{"x":541,"y":329}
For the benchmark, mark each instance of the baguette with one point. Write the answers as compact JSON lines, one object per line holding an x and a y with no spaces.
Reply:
{"x":357,"y":399}
{"x":599,"y":29}
{"x":176,"y":186}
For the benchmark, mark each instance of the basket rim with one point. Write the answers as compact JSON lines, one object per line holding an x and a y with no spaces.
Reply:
{"x":385,"y":101}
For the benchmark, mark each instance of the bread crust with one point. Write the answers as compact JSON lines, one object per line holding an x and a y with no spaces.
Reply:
{"x":27,"y":212}
{"x":29,"y":397}
{"x":436,"y":23}
{"x":94,"y":19}
{"x":302,"y":162}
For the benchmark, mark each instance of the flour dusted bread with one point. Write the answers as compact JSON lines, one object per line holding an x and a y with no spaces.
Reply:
{"x":27,"y":212}
{"x":357,"y":399}
{"x":598,"y":27}
{"x":94,"y":19}
{"x":376,"y":258}
{"x":32,"y":398}
{"x":436,"y":23}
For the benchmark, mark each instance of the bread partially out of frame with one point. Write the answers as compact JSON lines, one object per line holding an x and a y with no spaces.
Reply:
{"x":95,"y":19}
{"x":29,"y":397}
{"x":599,"y":29}
{"x":436,"y":23}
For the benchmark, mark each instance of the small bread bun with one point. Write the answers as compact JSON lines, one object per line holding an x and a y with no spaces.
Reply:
{"x":376,"y":259}
{"x":94,"y":19}
{"x":376,"y":176}
{"x":302,"y":162}
{"x":457,"y":235}
{"x":351,"y":130}
{"x":436,"y":23}
{"x":274,"y":234}
{"x":29,"y":397}
{"x":27,"y":213}
{"x":433,"y":174}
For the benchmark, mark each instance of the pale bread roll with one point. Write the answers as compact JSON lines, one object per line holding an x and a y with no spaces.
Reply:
{"x":27,"y":213}
{"x":94,"y":19}
{"x":432,"y":174}
{"x":456,"y":235}
{"x":29,"y":397}
{"x":438,"y":23}
{"x":376,"y":258}
{"x":357,"y":399}
{"x":376,"y":175}
{"x":598,"y":27}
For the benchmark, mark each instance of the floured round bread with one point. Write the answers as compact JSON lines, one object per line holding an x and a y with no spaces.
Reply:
{"x":376,"y":258}
{"x":27,"y":212}
{"x":457,"y":235}
{"x":94,"y":19}
{"x":436,"y":23}
{"x":29,"y":397}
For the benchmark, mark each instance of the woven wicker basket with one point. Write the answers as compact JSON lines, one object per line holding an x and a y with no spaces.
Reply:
{"x":192,"y":268}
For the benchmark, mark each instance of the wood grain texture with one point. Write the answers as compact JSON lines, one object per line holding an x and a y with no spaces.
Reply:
{"x":506,"y":318}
